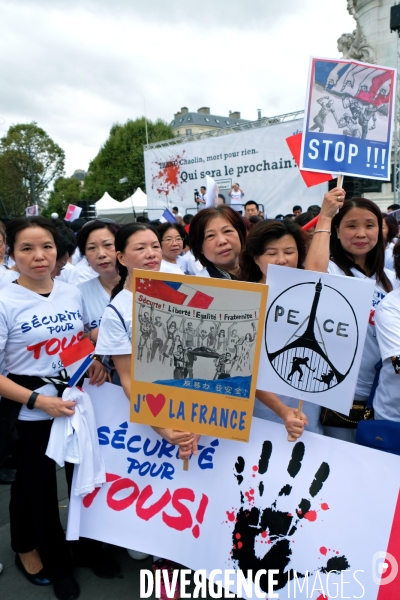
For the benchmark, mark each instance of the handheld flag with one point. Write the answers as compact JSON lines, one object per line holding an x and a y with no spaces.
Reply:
{"x":77,"y":359}
{"x":32,"y":211}
{"x":73,"y":212}
{"x":167,"y":217}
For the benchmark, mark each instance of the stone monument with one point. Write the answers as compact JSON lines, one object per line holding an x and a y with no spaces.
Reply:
{"x":371,"y":41}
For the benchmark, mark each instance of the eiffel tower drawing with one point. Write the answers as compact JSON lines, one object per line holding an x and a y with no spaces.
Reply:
{"x":305,"y":351}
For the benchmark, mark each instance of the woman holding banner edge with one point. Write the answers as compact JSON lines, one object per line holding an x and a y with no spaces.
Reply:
{"x":348,"y":241}
{"x":138,"y":247}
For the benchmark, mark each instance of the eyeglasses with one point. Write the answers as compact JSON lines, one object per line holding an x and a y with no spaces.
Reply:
{"x":97,"y":221}
{"x":169,"y":240}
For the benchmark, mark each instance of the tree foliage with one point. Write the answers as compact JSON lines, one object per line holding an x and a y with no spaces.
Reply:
{"x":67,"y":190}
{"x":122,"y":156}
{"x":13,"y":193}
{"x":33,"y":160}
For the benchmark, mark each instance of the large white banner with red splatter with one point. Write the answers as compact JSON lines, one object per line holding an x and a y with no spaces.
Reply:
{"x":258,"y":160}
{"x":321,"y":513}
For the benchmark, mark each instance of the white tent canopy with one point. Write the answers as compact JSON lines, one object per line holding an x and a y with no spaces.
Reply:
{"x":137,"y":200}
{"x":106,"y":202}
{"x":122,"y":212}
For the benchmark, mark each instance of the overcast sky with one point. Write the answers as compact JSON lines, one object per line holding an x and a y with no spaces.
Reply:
{"x":78,"y":66}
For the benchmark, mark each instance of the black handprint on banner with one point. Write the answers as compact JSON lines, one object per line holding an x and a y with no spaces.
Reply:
{"x":279,"y":526}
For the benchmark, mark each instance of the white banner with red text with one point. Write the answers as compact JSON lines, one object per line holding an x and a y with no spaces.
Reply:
{"x":321,"y":513}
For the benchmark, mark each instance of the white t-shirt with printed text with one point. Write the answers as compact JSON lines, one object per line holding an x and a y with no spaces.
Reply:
{"x":35,"y":329}
{"x":236,"y":196}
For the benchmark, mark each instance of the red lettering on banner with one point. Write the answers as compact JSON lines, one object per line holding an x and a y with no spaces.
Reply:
{"x":390,"y":590}
{"x":148,"y":513}
{"x":88,"y":499}
{"x":54,"y":345}
{"x":117,"y":486}
{"x":371,"y":317}
{"x":200,"y":515}
{"x":184,"y":521}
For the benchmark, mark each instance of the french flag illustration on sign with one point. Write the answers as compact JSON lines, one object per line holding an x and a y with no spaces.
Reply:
{"x":77,"y":359}
{"x":177,"y":293}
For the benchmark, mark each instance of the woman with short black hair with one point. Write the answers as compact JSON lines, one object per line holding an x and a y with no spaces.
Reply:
{"x":272,"y":242}
{"x":216,"y":238}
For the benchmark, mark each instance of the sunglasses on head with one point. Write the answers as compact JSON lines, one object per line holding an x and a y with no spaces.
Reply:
{"x":97,"y":221}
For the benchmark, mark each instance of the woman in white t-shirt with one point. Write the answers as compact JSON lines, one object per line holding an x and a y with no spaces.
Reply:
{"x":387,"y":322}
{"x":350,"y":242}
{"x":38,"y":318}
{"x":281,"y":243}
{"x":173,"y":241}
{"x":138,"y":247}
{"x":96,"y":242}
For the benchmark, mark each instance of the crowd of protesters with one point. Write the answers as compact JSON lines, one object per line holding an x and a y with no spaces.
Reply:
{"x":87,"y":270}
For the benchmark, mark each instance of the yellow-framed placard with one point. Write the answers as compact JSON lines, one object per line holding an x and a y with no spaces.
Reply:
{"x":196,"y":345}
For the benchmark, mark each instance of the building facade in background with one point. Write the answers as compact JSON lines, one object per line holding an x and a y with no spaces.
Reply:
{"x":188,"y":123}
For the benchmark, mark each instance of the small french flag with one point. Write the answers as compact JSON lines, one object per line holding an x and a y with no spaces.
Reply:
{"x":73,"y":212}
{"x":77,"y":359}
{"x":167,"y":217}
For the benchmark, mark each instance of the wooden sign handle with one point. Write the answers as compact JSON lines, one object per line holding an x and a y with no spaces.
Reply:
{"x":186,"y":464}
{"x":299,"y":411}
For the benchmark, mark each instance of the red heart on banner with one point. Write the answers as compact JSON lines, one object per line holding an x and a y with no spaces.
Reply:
{"x":156,"y":403}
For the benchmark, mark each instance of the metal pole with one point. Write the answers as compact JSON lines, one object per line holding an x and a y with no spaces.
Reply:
{"x":396,"y":161}
{"x":145,"y":122}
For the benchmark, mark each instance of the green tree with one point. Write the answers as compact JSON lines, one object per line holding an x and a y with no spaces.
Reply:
{"x":67,"y":190}
{"x":122,"y":156}
{"x":33,"y":158}
{"x":13,"y":193}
